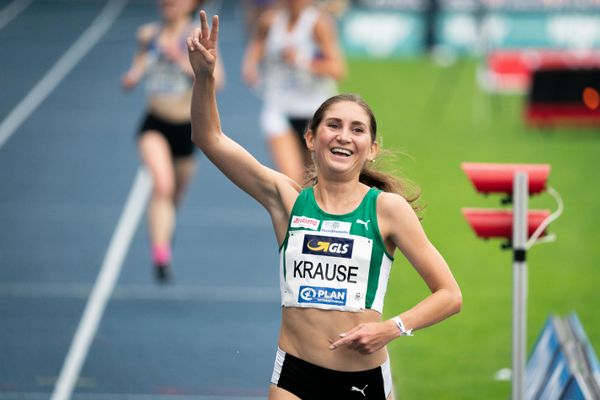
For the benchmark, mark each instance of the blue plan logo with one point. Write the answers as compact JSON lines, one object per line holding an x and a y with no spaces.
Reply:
{"x":322,"y":295}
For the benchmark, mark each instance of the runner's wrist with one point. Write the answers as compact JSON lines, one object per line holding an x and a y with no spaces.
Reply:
{"x":392,"y":329}
{"x":401,"y":328}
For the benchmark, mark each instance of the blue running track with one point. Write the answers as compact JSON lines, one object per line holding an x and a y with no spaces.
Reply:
{"x":68,"y":163}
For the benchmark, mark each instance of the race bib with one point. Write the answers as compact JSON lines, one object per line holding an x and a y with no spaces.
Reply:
{"x":327,"y":271}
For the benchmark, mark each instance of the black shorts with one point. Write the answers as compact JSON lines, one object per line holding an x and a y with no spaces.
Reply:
{"x":179,"y":136}
{"x":299,"y":125}
{"x":311,"y":382}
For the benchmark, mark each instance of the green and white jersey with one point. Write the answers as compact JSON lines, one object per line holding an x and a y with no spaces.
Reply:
{"x":334,"y":262}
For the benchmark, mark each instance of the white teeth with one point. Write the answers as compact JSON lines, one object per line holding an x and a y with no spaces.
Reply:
{"x":339,"y":150}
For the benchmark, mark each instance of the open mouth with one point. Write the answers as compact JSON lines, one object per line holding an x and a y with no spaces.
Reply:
{"x":341,"y":151}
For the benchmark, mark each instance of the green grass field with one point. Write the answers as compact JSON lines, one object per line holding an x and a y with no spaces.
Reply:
{"x":437,"y":117}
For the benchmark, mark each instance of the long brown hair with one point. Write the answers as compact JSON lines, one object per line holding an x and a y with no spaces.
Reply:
{"x":371,"y":174}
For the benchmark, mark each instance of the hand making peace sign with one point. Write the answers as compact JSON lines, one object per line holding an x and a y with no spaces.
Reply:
{"x":202,"y":46}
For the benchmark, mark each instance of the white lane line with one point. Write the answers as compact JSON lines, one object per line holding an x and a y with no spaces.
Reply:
{"x":109,"y":273}
{"x":12,"y":10}
{"x":62,"y":67}
{"x":205,"y":294}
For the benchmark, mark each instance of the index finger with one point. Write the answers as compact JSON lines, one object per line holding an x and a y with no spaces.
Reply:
{"x":203,"y":24}
{"x":344,"y":341}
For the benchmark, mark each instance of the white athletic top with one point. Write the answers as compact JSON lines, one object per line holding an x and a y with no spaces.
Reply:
{"x":165,"y":77}
{"x":291,"y":88}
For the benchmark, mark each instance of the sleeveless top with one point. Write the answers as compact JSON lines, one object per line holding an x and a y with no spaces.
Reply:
{"x":334,"y":262}
{"x":293,"y":89}
{"x":165,"y":77}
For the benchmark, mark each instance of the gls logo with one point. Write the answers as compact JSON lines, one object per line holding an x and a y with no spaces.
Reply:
{"x":327,"y":246}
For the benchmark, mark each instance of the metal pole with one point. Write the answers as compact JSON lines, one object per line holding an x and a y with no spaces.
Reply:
{"x":519,"y":238}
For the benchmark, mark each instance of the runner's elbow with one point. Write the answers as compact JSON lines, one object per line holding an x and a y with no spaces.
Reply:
{"x":198,"y":139}
{"x":204,"y":140}
{"x":456,"y":301}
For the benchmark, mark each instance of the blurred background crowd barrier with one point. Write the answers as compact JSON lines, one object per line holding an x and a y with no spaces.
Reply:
{"x":548,"y":50}
{"x":388,"y":28}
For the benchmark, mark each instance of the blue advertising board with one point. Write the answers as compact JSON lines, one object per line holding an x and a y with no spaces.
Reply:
{"x":576,"y":390}
{"x":591,"y":357}
{"x":559,"y":377}
{"x":513,"y":30}
{"x":393,"y":33}
{"x":381,"y":34}
{"x":541,"y":359}
{"x":557,"y":368}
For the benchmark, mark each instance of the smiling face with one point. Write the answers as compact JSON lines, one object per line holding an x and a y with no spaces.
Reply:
{"x":343,"y":140}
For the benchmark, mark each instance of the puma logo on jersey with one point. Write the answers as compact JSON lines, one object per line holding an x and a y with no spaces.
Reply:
{"x":362,"y":391}
{"x":366,"y":224}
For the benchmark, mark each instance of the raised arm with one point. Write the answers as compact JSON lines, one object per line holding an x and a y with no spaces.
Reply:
{"x":332,"y":60}
{"x":270,"y":188}
{"x":138,"y":65}
{"x":255,"y":50}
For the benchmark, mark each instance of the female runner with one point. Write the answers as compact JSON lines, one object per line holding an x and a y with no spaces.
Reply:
{"x":337,"y":239}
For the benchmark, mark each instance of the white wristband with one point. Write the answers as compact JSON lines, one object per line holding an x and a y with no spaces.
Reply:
{"x":401,"y":327}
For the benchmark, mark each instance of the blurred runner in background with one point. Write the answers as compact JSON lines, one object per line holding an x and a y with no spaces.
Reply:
{"x":164,"y":136}
{"x":294,"y":59}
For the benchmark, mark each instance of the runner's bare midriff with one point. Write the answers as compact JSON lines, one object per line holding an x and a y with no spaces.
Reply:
{"x":172,"y":108}
{"x":307,"y":333}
